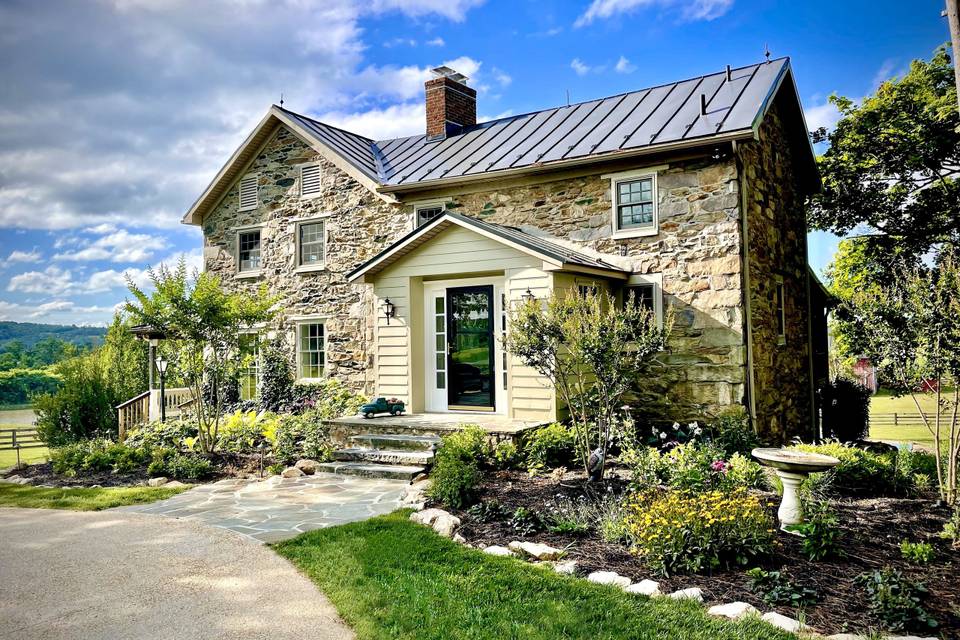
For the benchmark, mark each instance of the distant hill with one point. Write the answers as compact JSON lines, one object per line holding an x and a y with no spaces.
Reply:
{"x":30,"y":333}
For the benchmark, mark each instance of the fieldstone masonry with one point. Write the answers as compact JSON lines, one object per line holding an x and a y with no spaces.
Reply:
{"x":698,"y":251}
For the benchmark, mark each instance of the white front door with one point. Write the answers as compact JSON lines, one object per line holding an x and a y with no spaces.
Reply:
{"x":463,"y":351}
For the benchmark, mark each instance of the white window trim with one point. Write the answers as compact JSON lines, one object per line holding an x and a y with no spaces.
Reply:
{"x":778,"y":284}
{"x":299,"y":222}
{"x":426,"y":204}
{"x":256,"y":203}
{"x":299,"y":321}
{"x":300,"y":168}
{"x":656,"y":279}
{"x":629,"y":176}
{"x":253,"y":273}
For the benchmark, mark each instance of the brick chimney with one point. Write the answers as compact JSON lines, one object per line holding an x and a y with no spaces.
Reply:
{"x":451,"y":104}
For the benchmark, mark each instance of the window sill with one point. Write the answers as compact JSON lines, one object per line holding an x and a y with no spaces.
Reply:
{"x":781,"y":341}
{"x":248,"y":275}
{"x":314,"y":268}
{"x":635,"y":233}
{"x":311,"y":196}
{"x":311,"y":380}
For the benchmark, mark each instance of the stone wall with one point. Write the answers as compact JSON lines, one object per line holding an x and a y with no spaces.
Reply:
{"x":358,"y":225}
{"x":698,"y":253}
{"x":777,"y":238}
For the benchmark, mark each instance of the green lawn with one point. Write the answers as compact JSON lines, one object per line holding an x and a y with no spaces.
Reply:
{"x":390,"y":578}
{"x":886,"y":404}
{"x":15,"y":495}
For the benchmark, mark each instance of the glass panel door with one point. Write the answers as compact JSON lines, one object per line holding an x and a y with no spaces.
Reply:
{"x":470,"y":348}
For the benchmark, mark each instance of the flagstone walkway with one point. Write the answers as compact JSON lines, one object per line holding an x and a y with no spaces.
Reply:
{"x":280,"y":508}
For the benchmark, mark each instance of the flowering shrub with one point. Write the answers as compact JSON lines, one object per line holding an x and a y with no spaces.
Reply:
{"x":693,"y":466}
{"x":668,"y":437}
{"x":675,"y":532}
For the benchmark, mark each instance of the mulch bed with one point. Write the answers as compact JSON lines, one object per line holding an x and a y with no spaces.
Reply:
{"x":873,"y":529}
{"x":226,"y":465}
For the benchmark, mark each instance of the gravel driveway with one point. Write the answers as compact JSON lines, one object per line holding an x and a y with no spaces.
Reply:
{"x":116,"y":575}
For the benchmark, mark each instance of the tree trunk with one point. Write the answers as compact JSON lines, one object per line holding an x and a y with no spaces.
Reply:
{"x":953,"y":19}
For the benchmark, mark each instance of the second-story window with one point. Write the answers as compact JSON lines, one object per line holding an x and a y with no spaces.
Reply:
{"x":248,"y":250}
{"x":633,"y":195}
{"x":311,"y":241}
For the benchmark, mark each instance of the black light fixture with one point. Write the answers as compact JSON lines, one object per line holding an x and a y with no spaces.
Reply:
{"x":528,"y":296}
{"x":389,"y":310}
{"x":162,"y":370}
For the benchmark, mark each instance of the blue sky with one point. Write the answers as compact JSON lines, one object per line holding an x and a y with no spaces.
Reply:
{"x":114,"y":114}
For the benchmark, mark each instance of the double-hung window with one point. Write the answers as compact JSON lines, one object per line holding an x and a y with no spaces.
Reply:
{"x":248,"y":250}
{"x":311,"y":237}
{"x":311,"y":350}
{"x":634,"y":198}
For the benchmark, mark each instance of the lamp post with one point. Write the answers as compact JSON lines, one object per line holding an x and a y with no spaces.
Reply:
{"x":162,"y":370}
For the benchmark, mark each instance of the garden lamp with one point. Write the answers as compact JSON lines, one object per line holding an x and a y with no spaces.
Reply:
{"x":389,"y":310}
{"x":528,"y":296}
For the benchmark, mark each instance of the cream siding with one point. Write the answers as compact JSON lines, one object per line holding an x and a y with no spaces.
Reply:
{"x":454,"y":253}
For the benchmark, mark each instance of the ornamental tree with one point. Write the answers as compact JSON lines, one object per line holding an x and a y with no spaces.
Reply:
{"x":203,"y":323}
{"x":591,"y":349}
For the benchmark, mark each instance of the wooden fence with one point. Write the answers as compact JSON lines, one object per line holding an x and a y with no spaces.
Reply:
{"x":906,"y":419}
{"x":17,"y":439}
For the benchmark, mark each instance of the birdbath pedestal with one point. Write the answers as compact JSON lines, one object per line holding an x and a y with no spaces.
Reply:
{"x":793,"y":467}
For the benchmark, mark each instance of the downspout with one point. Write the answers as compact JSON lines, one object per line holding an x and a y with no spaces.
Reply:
{"x":745,"y":284}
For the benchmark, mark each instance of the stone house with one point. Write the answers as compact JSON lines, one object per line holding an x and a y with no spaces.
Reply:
{"x":397,"y":260}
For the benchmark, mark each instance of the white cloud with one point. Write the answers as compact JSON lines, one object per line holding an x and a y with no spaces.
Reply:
{"x":690,"y":10}
{"x":58,"y":312}
{"x":120,"y":246}
{"x":24,"y":256}
{"x":625,"y":66}
{"x":52,"y":280}
{"x":579,"y":67}
{"x":821,"y":115}
{"x":502,"y":78}
{"x":400,"y":42}
{"x":436,"y":42}
{"x":395,"y":121}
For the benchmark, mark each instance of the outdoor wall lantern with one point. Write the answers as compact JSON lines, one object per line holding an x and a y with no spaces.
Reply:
{"x":162,"y":370}
{"x":389,"y":310}
{"x":528,"y":296}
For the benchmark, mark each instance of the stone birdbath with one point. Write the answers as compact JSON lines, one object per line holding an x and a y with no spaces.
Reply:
{"x":793,"y":467}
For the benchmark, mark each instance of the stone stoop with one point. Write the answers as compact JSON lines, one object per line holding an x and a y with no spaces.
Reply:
{"x":380,"y":455}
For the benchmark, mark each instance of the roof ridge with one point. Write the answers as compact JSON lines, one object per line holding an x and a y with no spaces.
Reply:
{"x":582,"y":102}
{"x":325,"y":124}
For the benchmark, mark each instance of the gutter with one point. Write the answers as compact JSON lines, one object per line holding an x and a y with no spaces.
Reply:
{"x":745,"y":283}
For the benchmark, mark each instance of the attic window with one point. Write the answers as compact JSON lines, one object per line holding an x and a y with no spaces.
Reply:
{"x":309,"y":180}
{"x":249,"y":198}
{"x":427,"y":211}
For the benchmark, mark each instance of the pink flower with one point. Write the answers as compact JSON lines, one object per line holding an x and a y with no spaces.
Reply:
{"x":719,"y":466}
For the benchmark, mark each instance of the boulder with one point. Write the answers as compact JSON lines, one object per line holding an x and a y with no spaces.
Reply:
{"x":157,"y":482}
{"x":309,"y":467}
{"x":14,"y":478}
{"x":96,"y":486}
{"x":732,"y":610}
{"x":427,"y":516}
{"x":782,"y":622}
{"x":648,"y":588}
{"x":693,"y":593}
{"x":24,"y":481}
{"x":495,"y":550}
{"x":567,"y":567}
{"x":175,"y":484}
{"x":609,"y":577}
{"x":292,"y":472}
{"x":536,"y":550}
{"x":446,"y":524}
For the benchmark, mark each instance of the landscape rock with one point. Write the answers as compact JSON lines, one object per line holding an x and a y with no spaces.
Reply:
{"x":649,"y":588}
{"x":609,"y":577}
{"x":308,"y":466}
{"x":567,"y":567}
{"x":446,"y":524}
{"x":157,"y":482}
{"x":693,"y":593}
{"x":536,"y":550}
{"x":292,"y":472}
{"x":175,"y":484}
{"x":96,"y":486}
{"x":14,"y":478}
{"x":495,"y":550}
{"x":459,"y":539}
{"x":732,"y":610}
{"x":427,"y":516}
{"x":782,"y":622}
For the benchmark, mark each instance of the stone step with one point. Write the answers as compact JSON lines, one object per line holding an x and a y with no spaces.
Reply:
{"x":387,"y":456}
{"x":389,"y":471}
{"x":392,"y":441}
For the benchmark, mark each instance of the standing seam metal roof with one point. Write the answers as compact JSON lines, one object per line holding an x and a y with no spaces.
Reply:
{"x":649,"y":117}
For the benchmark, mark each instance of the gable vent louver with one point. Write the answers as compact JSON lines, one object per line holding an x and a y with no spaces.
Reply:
{"x":310,"y":180}
{"x":248,"y":192}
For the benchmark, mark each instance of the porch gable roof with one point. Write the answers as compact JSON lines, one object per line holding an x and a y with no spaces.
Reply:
{"x":557,"y":256}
